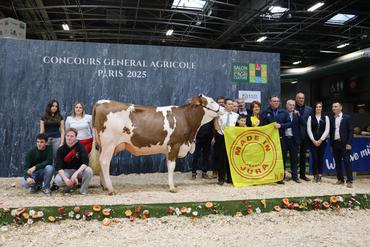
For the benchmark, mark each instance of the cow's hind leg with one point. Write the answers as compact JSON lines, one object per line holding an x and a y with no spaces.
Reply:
{"x":105,"y":159}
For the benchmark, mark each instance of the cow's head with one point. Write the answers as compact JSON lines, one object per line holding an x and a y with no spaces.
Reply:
{"x":211,"y":108}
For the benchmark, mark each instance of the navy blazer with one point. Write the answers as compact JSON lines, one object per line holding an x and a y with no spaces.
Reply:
{"x":296,"y":128}
{"x":304,"y":111}
{"x":282,"y":118}
{"x":345,"y":129}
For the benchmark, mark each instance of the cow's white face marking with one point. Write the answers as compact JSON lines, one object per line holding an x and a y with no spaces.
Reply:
{"x":211,"y":110}
{"x":102,"y":101}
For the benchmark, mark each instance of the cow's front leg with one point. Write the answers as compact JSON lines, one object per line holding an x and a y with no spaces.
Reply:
{"x":171,"y":164}
{"x":105,"y":158}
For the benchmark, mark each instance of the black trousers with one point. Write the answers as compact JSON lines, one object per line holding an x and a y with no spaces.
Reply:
{"x":289,"y":145}
{"x":340,"y":153}
{"x":201,"y":155}
{"x":302,"y":157}
{"x":222,"y":160}
{"x":317,"y":157}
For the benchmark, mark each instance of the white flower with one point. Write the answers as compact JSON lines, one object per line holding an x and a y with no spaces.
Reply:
{"x":340,"y":199}
{"x":71,"y":214}
{"x":258,"y":210}
{"x":199,"y":206}
{"x":146,"y":212}
{"x":13,"y":212}
{"x":78,"y":216}
{"x":188,"y":210}
{"x":353,"y":194}
{"x":32,"y":213}
{"x":40,"y":214}
{"x":177,"y":211}
{"x":195,"y":213}
{"x":30,"y":221}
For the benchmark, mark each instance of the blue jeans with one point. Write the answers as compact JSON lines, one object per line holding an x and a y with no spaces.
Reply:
{"x":42,"y":178}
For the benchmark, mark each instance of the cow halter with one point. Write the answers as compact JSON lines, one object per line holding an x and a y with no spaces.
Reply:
{"x":212,"y":109}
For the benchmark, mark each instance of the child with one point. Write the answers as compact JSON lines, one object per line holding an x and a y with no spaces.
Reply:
{"x":242,"y":121}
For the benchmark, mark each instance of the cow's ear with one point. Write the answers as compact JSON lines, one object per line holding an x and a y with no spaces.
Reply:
{"x":203,"y":101}
{"x":196,"y":101}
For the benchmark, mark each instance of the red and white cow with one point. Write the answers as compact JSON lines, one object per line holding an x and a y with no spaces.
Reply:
{"x":144,"y":130}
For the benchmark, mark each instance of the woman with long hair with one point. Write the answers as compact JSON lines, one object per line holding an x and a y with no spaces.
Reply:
{"x":318,"y":126}
{"x":254,"y":119}
{"x":52,"y":125}
{"x":81,"y":121}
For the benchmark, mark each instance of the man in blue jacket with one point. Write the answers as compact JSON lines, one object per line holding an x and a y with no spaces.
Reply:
{"x":341,"y":134}
{"x":304,"y":111}
{"x":291,"y":139}
{"x":280,"y":116}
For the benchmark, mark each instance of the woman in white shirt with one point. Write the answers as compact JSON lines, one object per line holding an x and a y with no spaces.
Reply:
{"x":82,"y":123}
{"x":318,"y":126}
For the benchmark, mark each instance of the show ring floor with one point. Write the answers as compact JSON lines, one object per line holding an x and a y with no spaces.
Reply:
{"x":343,"y":227}
{"x":153,"y":188}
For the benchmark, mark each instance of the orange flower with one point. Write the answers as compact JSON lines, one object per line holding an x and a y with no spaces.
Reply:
{"x":106,"y":222}
{"x":286,"y":201}
{"x":277,"y":208}
{"x":20,"y":211}
{"x":333,"y":199}
{"x":183,"y":210}
{"x":96,"y":208}
{"x":209,"y":205}
{"x":326,"y":205}
{"x":76,"y":209}
{"x":106,"y":211}
{"x":264,"y":202}
{"x":26,"y":215}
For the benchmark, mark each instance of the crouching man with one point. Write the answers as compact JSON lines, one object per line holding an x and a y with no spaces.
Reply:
{"x":72,"y":164}
{"x":39,"y":169}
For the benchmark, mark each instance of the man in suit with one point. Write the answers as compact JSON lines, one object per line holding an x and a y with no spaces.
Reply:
{"x":280,"y":116}
{"x":291,"y":139}
{"x":341,"y":134}
{"x":228,"y":119}
{"x":304,"y":111}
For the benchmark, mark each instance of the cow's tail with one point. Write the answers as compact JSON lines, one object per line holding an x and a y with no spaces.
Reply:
{"x":95,"y":152}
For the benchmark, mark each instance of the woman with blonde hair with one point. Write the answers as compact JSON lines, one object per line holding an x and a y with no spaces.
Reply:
{"x":81,"y":121}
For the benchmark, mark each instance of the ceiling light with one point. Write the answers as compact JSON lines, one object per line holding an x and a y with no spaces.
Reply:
{"x":169,"y":32}
{"x":198,"y":23}
{"x":297,"y":62}
{"x":275,"y":12}
{"x":189,"y":4}
{"x":342,"y":45}
{"x":326,"y":51}
{"x":360,"y":105}
{"x":315,"y":6}
{"x":293,"y":82}
{"x":340,"y":19}
{"x":65,"y":27}
{"x":261,"y":39}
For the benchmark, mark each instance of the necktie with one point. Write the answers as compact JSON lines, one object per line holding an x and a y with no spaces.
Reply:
{"x":228,"y":119}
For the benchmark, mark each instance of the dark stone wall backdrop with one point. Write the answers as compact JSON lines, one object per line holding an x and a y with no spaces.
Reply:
{"x":33,"y":72}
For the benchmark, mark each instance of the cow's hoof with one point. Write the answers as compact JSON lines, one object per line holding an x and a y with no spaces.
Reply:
{"x":173,"y":190}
